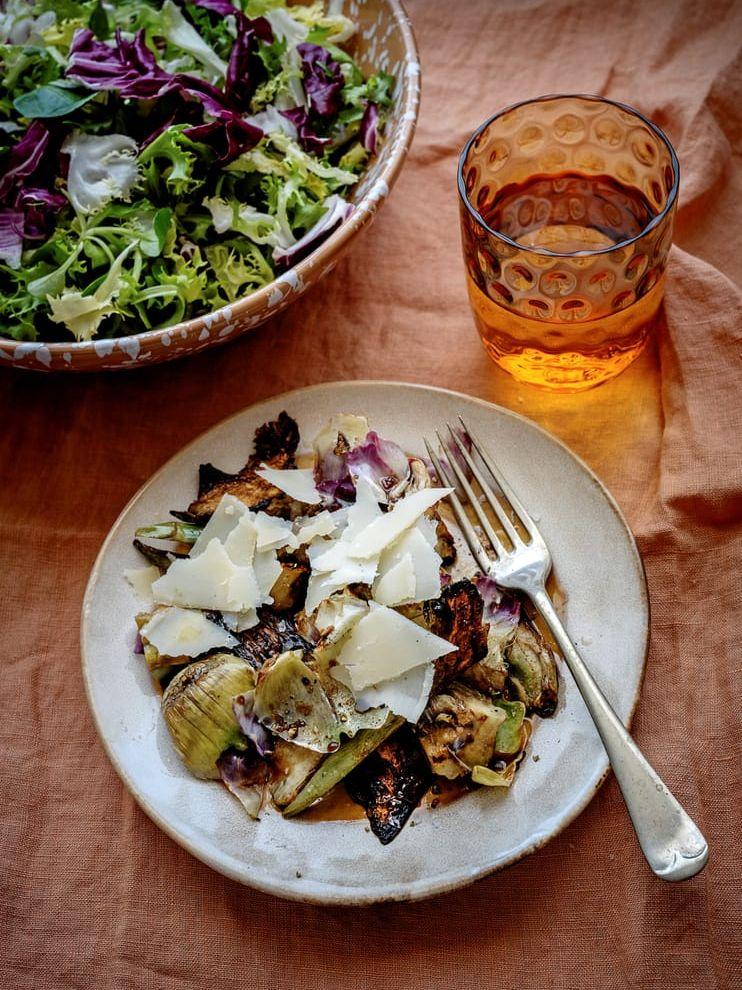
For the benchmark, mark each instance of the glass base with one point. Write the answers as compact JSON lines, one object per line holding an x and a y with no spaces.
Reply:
{"x":564,"y":372}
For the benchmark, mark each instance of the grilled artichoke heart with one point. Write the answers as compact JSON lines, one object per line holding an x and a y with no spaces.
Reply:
{"x":459,"y":729}
{"x":197,"y":706}
{"x":532,"y":672}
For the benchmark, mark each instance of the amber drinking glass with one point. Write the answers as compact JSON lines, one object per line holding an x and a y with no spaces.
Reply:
{"x":567,"y":206}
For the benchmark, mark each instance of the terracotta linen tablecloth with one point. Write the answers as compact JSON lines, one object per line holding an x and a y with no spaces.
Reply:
{"x":93,"y":895}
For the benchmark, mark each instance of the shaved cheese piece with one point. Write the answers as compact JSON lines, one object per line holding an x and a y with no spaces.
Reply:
{"x":384,"y":644}
{"x":336,"y":616}
{"x":298,"y":483}
{"x":396,"y":584}
{"x":182,"y":632}
{"x":239,"y":621}
{"x":385,"y":530}
{"x":321,"y":586}
{"x":308,"y":529}
{"x":267,"y":571}
{"x":141,"y":579}
{"x":428,"y":528}
{"x":406,"y":695}
{"x":223,"y":520}
{"x":363,"y":512}
{"x":273,"y":532}
{"x":241,"y":543}
{"x":210,"y":581}
{"x":412,"y":554}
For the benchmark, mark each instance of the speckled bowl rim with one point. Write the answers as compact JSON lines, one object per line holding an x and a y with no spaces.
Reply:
{"x":418,"y":890}
{"x":672,"y":194}
{"x":260,"y":300}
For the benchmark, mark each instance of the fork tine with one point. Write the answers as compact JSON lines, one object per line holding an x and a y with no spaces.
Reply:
{"x":493,"y":501}
{"x":507,"y":491}
{"x":481,"y":515}
{"x":465,"y":525}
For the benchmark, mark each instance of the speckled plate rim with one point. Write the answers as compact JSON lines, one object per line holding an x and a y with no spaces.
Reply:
{"x":249,"y":312}
{"x":412,"y":891}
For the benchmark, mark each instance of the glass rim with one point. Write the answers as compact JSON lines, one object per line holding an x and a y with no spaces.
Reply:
{"x":547,"y":252}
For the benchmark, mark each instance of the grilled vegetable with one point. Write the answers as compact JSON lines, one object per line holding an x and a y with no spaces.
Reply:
{"x":291,"y":701}
{"x":512,"y":735}
{"x":275,"y":446}
{"x":502,"y":614}
{"x":457,"y":617}
{"x":338,"y":765}
{"x":532,"y":672}
{"x":160,"y":558}
{"x":197,"y":706}
{"x":292,"y":766}
{"x":245,"y":775}
{"x":273,"y":635}
{"x":458,"y":731}
{"x":172,"y":530}
{"x":290,"y":587}
{"x":391,"y":782}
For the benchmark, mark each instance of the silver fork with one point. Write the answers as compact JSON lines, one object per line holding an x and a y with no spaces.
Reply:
{"x":671,"y":842}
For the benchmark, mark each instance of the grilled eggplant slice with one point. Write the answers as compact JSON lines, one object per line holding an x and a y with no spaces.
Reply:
{"x":155,"y":555}
{"x":274,"y":634}
{"x":275,"y":446}
{"x":457,"y":617}
{"x":391,"y":782}
{"x":459,"y":729}
{"x":532,"y":671}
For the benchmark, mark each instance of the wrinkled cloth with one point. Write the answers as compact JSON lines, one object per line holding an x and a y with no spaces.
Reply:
{"x":93,"y":894}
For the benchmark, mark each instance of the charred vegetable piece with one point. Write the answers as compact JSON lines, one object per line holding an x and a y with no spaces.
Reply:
{"x":275,"y":446}
{"x":291,"y":702}
{"x":391,"y":782}
{"x":502,"y":614}
{"x":457,"y":617}
{"x":160,"y":558}
{"x":510,"y":738}
{"x":245,"y":775}
{"x":338,"y":765}
{"x":290,"y":587}
{"x":291,"y":767}
{"x":273,"y":635}
{"x":197,"y":706}
{"x":458,"y":731}
{"x":532,"y":676}
{"x":179,"y":531}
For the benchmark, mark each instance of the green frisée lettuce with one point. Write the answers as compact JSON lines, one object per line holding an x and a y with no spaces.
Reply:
{"x":161,"y":159}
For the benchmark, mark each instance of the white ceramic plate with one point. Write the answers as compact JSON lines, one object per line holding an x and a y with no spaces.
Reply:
{"x":596,"y":562}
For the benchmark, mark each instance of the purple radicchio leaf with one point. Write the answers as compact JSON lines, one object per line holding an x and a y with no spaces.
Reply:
{"x":11,"y":237}
{"x":242,"y":706}
{"x":369,"y":131}
{"x":332,"y":477}
{"x":41,"y":207}
{"x":228,"y":136}
{"x":25,"y":158}
{"x":382,"y":463}
{"x":308,"y":137}
{"x":245,"y":70}
{"x":337,"y":210}
{"x":129,"y":67}
{"x":240,"y":768}
{"x":138,"y":645}
{"x":223,"y":7}
{"x":501,"y":608}
{"x":323,"y":79}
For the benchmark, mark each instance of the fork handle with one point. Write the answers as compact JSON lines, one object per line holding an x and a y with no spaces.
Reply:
{"x":670,"y":840}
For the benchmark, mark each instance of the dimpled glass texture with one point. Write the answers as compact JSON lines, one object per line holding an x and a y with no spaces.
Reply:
{"x":548,"y":314}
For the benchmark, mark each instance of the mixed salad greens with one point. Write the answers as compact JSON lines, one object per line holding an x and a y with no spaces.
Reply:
{"x":161,"y":158}
{"x":313,"y":628}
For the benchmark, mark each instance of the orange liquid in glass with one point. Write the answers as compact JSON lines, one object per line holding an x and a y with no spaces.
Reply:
{"x":566,"y":213}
